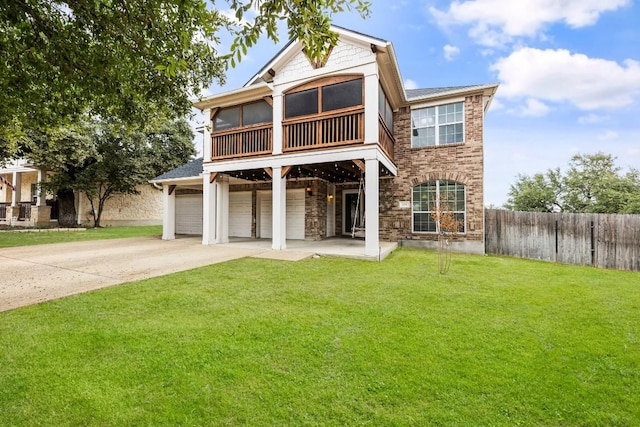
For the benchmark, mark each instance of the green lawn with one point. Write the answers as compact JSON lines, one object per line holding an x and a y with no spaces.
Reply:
{"x":15,"y":238}
{"x":337,"y":342}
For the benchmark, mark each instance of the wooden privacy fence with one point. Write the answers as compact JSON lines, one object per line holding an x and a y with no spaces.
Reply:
{"x":600,"y":240}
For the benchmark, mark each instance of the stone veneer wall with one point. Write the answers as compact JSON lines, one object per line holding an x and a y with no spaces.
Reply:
{"x":460,"y":162}
{"x":127,"y":209}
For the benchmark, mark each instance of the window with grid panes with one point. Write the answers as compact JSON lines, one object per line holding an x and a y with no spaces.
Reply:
{"x":438,"y":125}
{"x":429,"y":195}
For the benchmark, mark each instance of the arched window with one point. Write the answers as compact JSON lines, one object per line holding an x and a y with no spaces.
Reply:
{"x":437,"y":198}
{"x":323,"y":96}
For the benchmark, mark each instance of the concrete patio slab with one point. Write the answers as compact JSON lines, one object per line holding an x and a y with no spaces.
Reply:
{"x":33,"y":274}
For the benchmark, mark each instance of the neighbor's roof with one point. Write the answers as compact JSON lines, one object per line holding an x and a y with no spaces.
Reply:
{"x":193,"y":169}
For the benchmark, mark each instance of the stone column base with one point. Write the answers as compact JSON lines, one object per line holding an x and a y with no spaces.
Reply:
{"x":41,"y":215}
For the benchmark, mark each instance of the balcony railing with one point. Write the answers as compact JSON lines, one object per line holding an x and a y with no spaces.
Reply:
{"x":242,"y":142}
{"x":326,"y":130}
{"x":385,"y":138}
{"x":3,"y":211}
{"x":24,"y":211}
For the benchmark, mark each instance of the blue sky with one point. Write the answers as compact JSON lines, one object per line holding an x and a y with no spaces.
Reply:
{"x":569,"y":73}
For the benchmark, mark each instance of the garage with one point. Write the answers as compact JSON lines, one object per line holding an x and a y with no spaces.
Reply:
{"x":240,"y":214}
{"x":189,"y":214}
{"x":295,"y":214}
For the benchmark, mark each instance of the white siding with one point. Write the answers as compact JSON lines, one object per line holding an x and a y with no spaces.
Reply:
{"x":240,"y":214}
{"x":189,"y":214}
{"x":295,"y":214}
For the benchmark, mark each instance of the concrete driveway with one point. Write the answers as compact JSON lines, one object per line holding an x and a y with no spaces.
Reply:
{"x":32,"y":274}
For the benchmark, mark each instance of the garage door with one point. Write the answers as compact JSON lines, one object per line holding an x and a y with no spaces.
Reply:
{"x":295,"y":214}
{"x":240,"y":214}
{"x":189,"y":214}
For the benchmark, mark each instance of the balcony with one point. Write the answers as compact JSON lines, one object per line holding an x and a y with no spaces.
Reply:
{"x":242,"y":142}
{"x":385,"y":138}
{"x":325,"y":130}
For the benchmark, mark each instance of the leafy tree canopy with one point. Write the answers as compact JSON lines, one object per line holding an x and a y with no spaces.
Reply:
{"x":592,"y":183}
{"x":105,"y":158}
{"x":131,"y":59}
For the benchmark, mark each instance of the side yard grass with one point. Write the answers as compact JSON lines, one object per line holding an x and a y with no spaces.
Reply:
{"x":23,"y":238}
{"x":333,"y":342}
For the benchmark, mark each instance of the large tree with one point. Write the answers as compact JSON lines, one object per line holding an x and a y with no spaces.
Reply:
{"x":105,"y":158}
{"x":592,"y":183}
{"x":132,"y":59}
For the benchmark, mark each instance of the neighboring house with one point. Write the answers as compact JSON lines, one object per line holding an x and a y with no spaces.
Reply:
{"x":22,"y":203}
{"x":310,"y":150}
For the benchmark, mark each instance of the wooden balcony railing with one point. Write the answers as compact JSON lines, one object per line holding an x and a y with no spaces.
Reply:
{"x":324,"y":130}
{"x":385,"y":138}
{"x":242,"y":142}
{"x":334,"y":129}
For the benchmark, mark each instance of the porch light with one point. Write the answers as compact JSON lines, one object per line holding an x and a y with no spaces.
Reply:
{"x":330,"y":197}
{"x":309,"y":191}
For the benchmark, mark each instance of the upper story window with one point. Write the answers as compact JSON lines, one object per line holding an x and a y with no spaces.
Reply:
{"x":243,"y":115}
{"x":323,"y":96}
{"x":385,"y":110}
{"x":439,"y":125}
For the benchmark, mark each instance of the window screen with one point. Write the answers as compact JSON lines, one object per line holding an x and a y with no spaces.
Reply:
{"x":301,"y":103}
{"x":257,"y":112}
{"x":342,"y":95}
{"x":228,"y":118}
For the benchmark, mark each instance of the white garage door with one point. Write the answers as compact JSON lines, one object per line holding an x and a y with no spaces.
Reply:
{"x":189,"y":214}
{"x":295,"y":214}
{"x":240,"y":214}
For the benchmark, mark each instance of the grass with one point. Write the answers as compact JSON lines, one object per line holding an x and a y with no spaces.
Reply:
{"x":333,"y":342}
{"x":16,"y":238}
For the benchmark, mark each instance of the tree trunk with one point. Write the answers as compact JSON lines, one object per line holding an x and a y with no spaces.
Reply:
{"x":67,"y":208}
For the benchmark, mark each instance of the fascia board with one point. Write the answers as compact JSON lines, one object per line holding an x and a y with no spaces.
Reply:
{"x":367,"y":151}
{"x":234,"y":97}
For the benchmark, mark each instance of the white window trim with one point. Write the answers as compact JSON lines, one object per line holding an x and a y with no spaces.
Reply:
{"x":464,"y":213}
{"x":437,"y":124}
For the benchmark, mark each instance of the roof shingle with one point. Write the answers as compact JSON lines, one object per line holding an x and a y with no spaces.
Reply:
{"x":190,"y":170}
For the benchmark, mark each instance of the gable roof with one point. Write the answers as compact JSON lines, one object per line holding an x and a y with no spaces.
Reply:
{"x":193,"y":169}
{"x":365,"y":38}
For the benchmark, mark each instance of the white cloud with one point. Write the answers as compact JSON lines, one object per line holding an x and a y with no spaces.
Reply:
{"x":533,"y":108}
{"x":560,"y":76}
{"x":496,"y":104}
{"x":450,"y":51}
{"x":410,"y":84}
{"x":592,"y":118}
{"x":608,"y":135}
{"x":494,"y":22}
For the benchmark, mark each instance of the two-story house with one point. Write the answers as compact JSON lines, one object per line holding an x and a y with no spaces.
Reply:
{"x":311,"y":150}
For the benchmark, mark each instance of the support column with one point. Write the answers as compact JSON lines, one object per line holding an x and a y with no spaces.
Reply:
{"x":168,"y":212}
{"x":40,"y":197}
{"x":279,"y":210}
{"x":372,"y":215}
{"x":222,"y":210}
{"x":371,"y":109}
{"x":209,"y":204}
{"x":79,"y":206}
{"x":206,"y":136}
{"x":277,"y":124}
{"x":17,"y":193}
